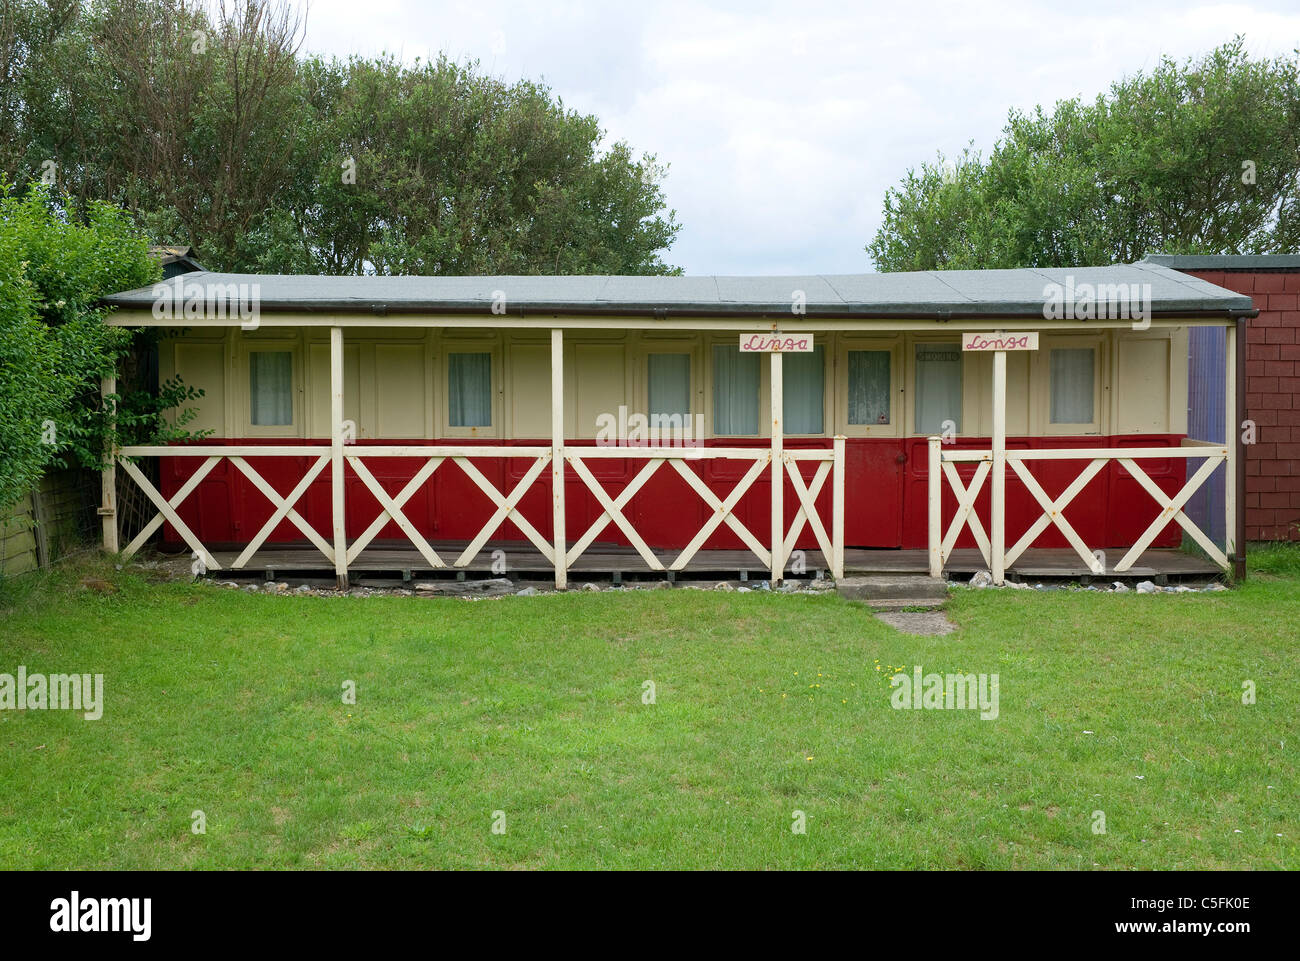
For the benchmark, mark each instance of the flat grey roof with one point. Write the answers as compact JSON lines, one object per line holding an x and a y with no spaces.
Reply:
{"x":923,"y":294}
{"x":1225,"y":261}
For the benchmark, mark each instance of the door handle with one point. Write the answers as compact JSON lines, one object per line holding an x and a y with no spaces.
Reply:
{"x":901,"y":459}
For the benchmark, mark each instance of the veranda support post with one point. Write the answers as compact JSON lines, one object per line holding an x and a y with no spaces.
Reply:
{"x":998,"y":536}
{"x":837,"y":509}
{"x":1231,"y":436}
{"x":934,"y":503}
{"x":778,"y":473}
{"x":108,"y":473}
{"x":336,"y":457}
{"x":557,"y":458}
{"x":1238,"y":452}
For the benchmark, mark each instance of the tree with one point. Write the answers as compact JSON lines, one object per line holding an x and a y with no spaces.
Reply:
{"x":54,"y":346}
{"x":40,"y":52}
{"x":214,"y":132}
{"x":1197,"y":158}
{"x":199,"y":116}
{"x":433,"y":169}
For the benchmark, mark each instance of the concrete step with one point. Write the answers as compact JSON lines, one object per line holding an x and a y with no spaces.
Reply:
{"x":891,"y":587}
{"x":906,"y":604}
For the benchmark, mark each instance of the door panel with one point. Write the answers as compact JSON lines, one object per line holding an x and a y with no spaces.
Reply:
{"x":873,"y":491}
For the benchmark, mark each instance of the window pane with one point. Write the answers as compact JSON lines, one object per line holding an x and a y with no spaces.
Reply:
{"x":938,"y":387}
{"x":803,"y":383}
{"x":469,"y":390}
{"x":735,"y":391}
{"x":670,"y":385}
{"x":270,"y":387}
{"x":1072,"y":380}
{"x":869,"y":386}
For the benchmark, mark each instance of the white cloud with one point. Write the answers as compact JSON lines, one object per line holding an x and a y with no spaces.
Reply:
{"x":785,"y":123}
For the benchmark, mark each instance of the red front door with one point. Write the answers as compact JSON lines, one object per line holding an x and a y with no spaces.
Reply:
{"x":873,"y":491}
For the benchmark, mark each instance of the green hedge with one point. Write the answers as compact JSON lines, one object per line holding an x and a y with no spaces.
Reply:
{"x":55,"y":265}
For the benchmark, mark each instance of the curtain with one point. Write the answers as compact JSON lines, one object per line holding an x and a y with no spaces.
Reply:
{"x":669,"y":378}
{"x":735,"y":391}
{"x":803,"y":382}
{"x":270,"y":387}
{"x":469,"y":390}
{"x":938,"y":387}
{"x":1072,"y":380}
{"x":869,"y":386}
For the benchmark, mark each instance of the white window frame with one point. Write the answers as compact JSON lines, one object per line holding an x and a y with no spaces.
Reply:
{"x":641,"y":382}
{"x":247,"y":347}
{"x":894,"y":345}
{"x":442,"y":380}
{"x":913,"y":389}
{"x":1043,"y":397}
{"x":764,"y":392}
{"x":828,"y":390}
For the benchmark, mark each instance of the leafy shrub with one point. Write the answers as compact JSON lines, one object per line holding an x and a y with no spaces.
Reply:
{"x":55,"y":265}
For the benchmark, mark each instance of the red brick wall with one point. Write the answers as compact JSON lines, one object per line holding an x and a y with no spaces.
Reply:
{"x":1272,"y":399}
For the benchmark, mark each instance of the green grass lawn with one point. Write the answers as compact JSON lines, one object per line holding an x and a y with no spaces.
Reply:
{"x":230,"y":704}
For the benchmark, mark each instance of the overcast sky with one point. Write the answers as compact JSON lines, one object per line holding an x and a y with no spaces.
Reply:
{"x":783,"y":124}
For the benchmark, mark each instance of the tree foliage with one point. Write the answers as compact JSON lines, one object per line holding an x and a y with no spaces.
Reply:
{"x":1195,"y":158}
{"x":55,"y":265}
{"x":214,"y":131}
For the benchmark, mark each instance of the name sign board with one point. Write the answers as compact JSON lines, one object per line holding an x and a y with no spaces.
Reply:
{"x":770,"y":343}
{"x":1000,"y":341}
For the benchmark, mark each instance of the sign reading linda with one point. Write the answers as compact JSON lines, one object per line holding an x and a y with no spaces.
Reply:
{"x":1000,"y":341}
{"x":776,"y":343}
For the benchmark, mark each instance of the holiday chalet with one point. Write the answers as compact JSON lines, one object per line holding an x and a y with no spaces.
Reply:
{"x":1014,"y":420}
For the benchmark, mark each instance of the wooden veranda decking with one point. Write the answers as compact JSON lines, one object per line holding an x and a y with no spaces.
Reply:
{"x":609,"y":560}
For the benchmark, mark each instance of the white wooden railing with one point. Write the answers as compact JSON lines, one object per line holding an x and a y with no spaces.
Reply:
{"x":942,"y":467}
{"x":507,"y":506}
{"x":341,"y":554}
{"x":782,"y":465}
{"x":772,"y":556}
{"x":167,"y":507}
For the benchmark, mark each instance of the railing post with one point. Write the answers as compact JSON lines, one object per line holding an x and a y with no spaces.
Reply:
{"x":998,"y":535}
{"x":108,"y":472}
{"x":935,"y":507}
{"x":1231,"y":440}
{"x":837,"y":510}
{"x":557,"y":458}
{"x":336,"y":458}
{"x":778,"y":473}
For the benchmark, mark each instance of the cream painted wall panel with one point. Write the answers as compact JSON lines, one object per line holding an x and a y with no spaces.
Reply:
{"x":203,"y":365}
{"x":1143,"y":389}
{"x":167,"y":359}
{"x":528,"y":393}
{"x":979,"y":369}
{"x":1179,"y":344}
{"x":600,"y":383}
{"x":399,"y":391}
{"x":318,"y":380}
{"x":387,"y":384}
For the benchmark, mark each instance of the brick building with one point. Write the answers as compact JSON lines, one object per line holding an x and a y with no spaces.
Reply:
{"x":1272,"y":388}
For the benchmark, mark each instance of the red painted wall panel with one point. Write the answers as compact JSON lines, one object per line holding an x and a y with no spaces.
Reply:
{"x":886,"y":490}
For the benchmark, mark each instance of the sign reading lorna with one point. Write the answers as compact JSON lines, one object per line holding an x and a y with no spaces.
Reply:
{"x":772,"y":343}
{"x":1000,"y":341}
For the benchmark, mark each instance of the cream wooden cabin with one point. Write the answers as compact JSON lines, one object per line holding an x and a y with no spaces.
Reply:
{"x":855,"y":445}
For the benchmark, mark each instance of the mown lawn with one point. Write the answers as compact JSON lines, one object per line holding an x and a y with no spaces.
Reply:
{"x":230,"y":704}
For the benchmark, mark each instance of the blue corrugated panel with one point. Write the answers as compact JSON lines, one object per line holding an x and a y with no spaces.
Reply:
{"x":1206,"y":378}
